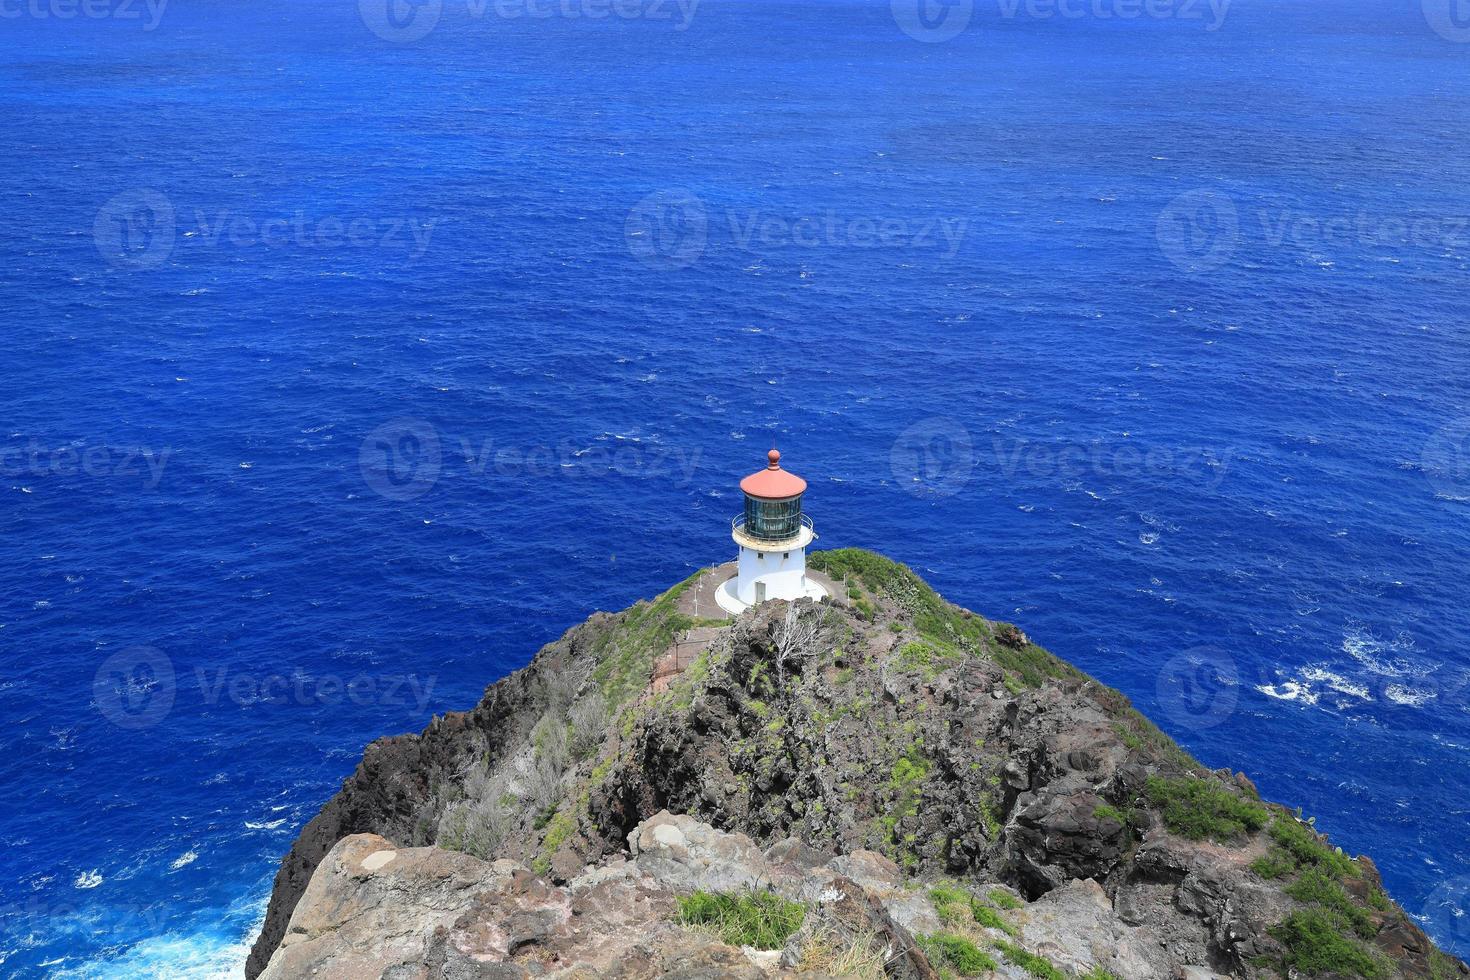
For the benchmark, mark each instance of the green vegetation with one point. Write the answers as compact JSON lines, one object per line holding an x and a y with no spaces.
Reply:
{"x":1441,"y":967}
{"x":958,"y":908}
{"x":951,"y":904}
{"x":906,"y":781}
{"x":626,"y":652}
{"x":764,"y":920}
{"x":1098,"y":973}
{"x":1138,"y":733}
{"x":946,"y":949}
{"x":1200,"y":809}
{"x":954,"y":632}
{"x":1297,"y":846}
{"x":558,"y":830}
{"x":1326,"y":936}
{"x":1037,"y":966}
{"x":1105,"y":812}
{"x":990,"y":919}
{"x":1315,"y":887}
{"x":1004,"y":900}
{"x":926,"y":659}
{"x":1316,"y":944}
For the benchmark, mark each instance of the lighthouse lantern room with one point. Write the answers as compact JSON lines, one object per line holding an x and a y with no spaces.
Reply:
{"x":772,"y":535}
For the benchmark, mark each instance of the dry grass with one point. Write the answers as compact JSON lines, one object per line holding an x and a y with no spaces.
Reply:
{"x":837,"y":956}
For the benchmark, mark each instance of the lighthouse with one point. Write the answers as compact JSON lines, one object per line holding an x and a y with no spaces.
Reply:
{"x":771,"y":535}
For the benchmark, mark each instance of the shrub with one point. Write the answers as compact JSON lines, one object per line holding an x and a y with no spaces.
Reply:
{"x":1276,"y":864}
{"x":1315,"y":887}
{"x":558,"y":829}
{"x":1316,"y":944}
{"x":764,"y":920}
{"x":926,"y":659}
{"x":1198,"y":808}
{"x":1300,"y":844}
{"x":957,"y":953}
{"x":587,"y":725}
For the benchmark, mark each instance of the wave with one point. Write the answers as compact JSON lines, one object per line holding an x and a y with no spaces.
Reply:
{"x":1385,"y":658}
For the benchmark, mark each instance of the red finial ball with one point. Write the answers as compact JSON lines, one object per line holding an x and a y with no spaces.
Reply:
{"x":775,"y":457}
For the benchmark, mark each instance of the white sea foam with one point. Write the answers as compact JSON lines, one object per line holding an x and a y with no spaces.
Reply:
{"x":88,"y":879}
{"x":1399,"y":694}
{"x":183,"y":860}
{"x":1386,"y":658}
{"x":217,"y":952}
{"x":1289,"y":691}
{"x":264,"y":825}
{"x":1336,"y":682}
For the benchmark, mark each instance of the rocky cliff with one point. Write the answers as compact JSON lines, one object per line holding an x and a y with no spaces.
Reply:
{"x":879,"y":785}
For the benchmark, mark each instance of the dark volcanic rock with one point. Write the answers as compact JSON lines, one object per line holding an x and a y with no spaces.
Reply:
{"x":883,"y":721}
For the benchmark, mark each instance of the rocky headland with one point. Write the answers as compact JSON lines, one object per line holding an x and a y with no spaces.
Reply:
{"x":878,"y":785}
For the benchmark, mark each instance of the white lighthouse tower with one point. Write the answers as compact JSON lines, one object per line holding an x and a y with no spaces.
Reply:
{"x":772,"y":536}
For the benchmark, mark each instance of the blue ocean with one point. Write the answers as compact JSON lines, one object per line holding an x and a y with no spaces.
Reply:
{"x":355,"y":350}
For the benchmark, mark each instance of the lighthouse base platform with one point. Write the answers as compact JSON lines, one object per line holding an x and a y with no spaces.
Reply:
{"x":702,"y":599}
{"x":730,"y":602}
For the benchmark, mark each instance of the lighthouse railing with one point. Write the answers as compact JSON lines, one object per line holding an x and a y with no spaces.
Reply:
{"x":738,"y":525}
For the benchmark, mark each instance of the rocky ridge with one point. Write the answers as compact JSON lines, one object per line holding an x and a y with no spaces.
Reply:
{"x":879,"y":785}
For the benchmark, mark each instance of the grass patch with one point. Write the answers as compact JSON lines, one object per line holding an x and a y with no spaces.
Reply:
{"x":951,"y":904}
{"x":926,"y":659}
{"x":857,"y":957}
{"x":945,"y":949}
{"x":1037,"y":966}
{"x":764,"y":920}
{"x":1276,"y":864}
{"x":1104,"y":811}
{"x":1326,"y":936}
{"x":626,"y":652}
{"x":990,"y":918}
{"x":1316,"y":887}
{"x":1200,"y":809}
{"x":948,"y":628}
{"x":1298,"y":845}
{"x":1098,"y":973}
{"x":1316,"y":943}
{"x":1003,"y":899}
{"x":958,"y":908}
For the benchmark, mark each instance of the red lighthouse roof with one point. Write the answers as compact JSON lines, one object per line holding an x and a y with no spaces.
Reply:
{"x":773,"y":483}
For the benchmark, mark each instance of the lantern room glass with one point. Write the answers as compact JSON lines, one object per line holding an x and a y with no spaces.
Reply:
{"x":772,"y":520}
